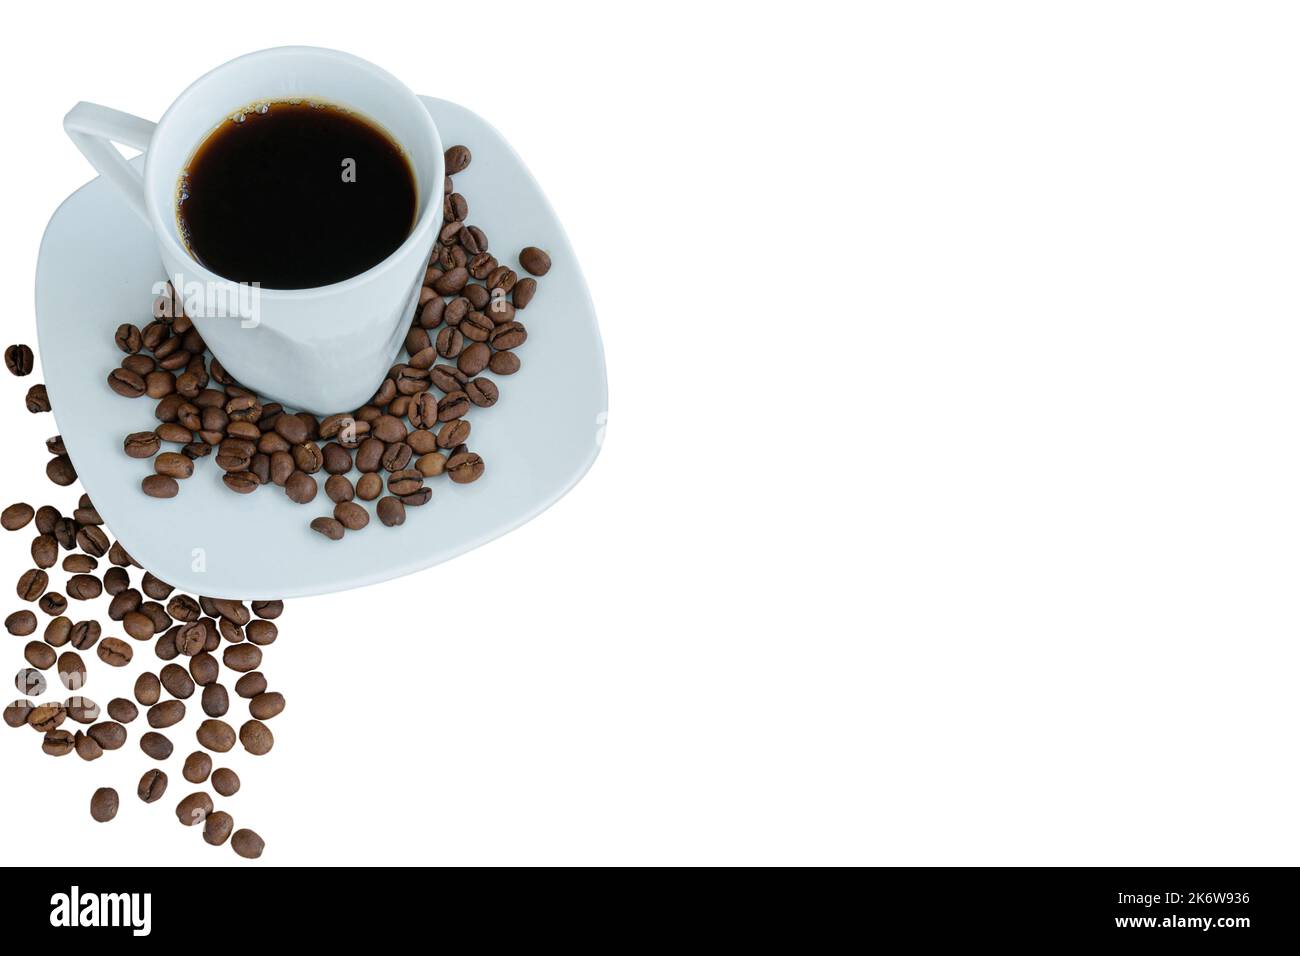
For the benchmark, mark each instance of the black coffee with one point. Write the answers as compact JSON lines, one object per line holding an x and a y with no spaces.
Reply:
{"x":295,"y":197}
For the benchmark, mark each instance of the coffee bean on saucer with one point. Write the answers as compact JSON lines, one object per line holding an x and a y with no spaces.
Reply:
{"x":21,"y":623}
{"x":38,"y":400}
{"x":216,"y":735}
{"x":504,"y":363}
{"x":391,"y":511}
{"x":483,"y":392}
{"x":523,"y":292}
{"x":126,"y":383}
{"x":339,"y":489}
{"x":194,"y":809}
{"x":247,"y":844}
{"x":173,"y":465}
{"x":19,"y":359}
{"x":351,"y":515}
{"x":160,"y":486}
{"x":329,"y":527}
{"x":465,"y":467}
{"x":128,"y":338}
{"x":122,"y":710}
{"x":535,"y":260}
{"x":300,"y":487}
{"x":456,"y":158}
{"x":156,"y":745}
{"x":153,"y":784}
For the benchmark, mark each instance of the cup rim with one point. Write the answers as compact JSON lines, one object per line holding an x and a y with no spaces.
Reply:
{"x":422,"y":225}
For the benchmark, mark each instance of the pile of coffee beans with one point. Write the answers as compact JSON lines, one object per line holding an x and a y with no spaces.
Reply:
{"x":414,"y":428}
{"x":193,"y":639}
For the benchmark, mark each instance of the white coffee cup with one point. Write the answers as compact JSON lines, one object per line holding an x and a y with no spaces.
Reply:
{"x":322,"y":350}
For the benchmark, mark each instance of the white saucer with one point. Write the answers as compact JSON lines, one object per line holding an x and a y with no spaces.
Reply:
{"x":97,"y":265}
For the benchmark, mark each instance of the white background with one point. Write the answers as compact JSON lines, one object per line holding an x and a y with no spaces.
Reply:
{"x":948,"y":511}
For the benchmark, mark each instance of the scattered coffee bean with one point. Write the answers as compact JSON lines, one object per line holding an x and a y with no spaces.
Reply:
{"x":19,"y":360}
{"x":198,"y":766}
{"x":247,"y":844}
{"x":267,"y":705}
{"x":250,"y":685}
{"x":215,"y":700}
{"x":46,"y":717}
{"x":194,"y":809}
{"x":39,"y":654}
{"x":32,"y":584}
{"x":38,"y":400}
{"x":16,"y":516}
{"x":86,"y":747}
{"x":535,"y":260}
{"x":148,"y":688}
{"x":160,"y":486}
{"x":216,"y":735}
{"x":155,"y":745}
{"x":122,"y":710}
{"x":456,"y":159}
{"x":165,"y":713}
{"x":329,"y":527}
{"x":109,"y":734}
{"x":30,"y":682}
{"x":225,"y":781}
{"x":153,"y":784}
{"x":57,"y":743}
{"x":16,"y":714}
{"x":21,"y":623}
{"x":114,"y":652}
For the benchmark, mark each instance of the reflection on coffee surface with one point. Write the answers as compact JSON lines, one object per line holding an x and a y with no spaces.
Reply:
{"x":296,"y":195}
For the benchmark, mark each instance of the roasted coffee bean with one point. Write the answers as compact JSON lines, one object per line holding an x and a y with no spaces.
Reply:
{"x":268,"y":610}
{"x":53,"y":603}
{"x":476,"y":327}
{"x":256,"y":737}
{"x":87,"y":748}
{"x":194,"y":809}
{"x":423,"y":441}
{"x":84,"y":587}
{"x":217,"y":827}
{"x":300,"y":487}
{"x":535,"y":260}
{"x":215,"y":700}
{"x":481,"y":265}
{"x":504,"y":363}
{"x":45,"y":717}
{"x":138,"y":626}
{"x":32,"y":584}
{"x":155,"y":588}
{"x":473,"y":239}
{"x":204,"y":668}
{"x":369,"y":487}
{"x":123,"y":603}
{"x":117,"y":555}
{"x":250,"y":685}
{"x":160,"y":486}
{"x":197,"y":767}
{"x":474,"y":359}
{"x":165,"y":713}
{"x":148,"y":688}
{"x":339,"y":489}
{"x":329,"y":527}
{"x":21,"y":623}
{"x":177,"y":681}
{"x":391,"y":511}
{"x":431,"y":465}
{"x":173,"y":465}
{"x":153,"y":784}
{"x":72,"y":670}
{"x":19,"y":360}
{"x":482,"y":392}
{"x":174,"y":433}
{"x":230,"y":631}
{"x":216,"y":735}
{"x":225,"y":781}
{"x":308,"y":457}
{"x":265,"y":706}
{"x":159,"y":383}
{"x":235,"y":611}
{"x":114,"y":652}
{"x":81,"y":709}
{"x":192,"y":638}
{"x":30,"y":682}
{"x":336,"y":459}
{"x":478,"y":296}
{"x":38,"y":400}
{"x":456,"y":159}
{"x":39,"y":654}
{"x":16,"y":516}
{"x":58,"y":632}
{"x":243,"y":482}
{"x":60,"y":471}
{"x":523,"y":292}
{"x":57,"y":743}
{"x":242,"y":657}
{"x":247,"y":844}
{"x":122,"y":710}
{"x":396,"y":456}
{"x":453,"y":433}
{"x":92,"y":540}
{"x":103,"y":802}
{"x":184,"y":608}
{"x":124,"y":382}
{"x":349,"y":514}
{"x":116,"y":581}
{"x":140,"y":365}
{"x":508,"y":336}
{"x":405,"y":482}
{"x":388,"y":429}
{"x":16,"y":714}
{"x":449,"y":343}
{"x":79,"y":564}
{"x":156,"y":745}
{"x":453,"y":405}
{"x":110,"y":735}
{"x":446,"y":378}
{"x":370,"y":455}
{"x":465,"y":467}
{"x":262,"y":633}
{"x":448,"y":234}
{"x":84,"y":635}
{"x":128,"y":338}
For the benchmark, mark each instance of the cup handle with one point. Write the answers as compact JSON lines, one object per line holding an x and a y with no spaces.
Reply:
{"x":94,"y":129}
